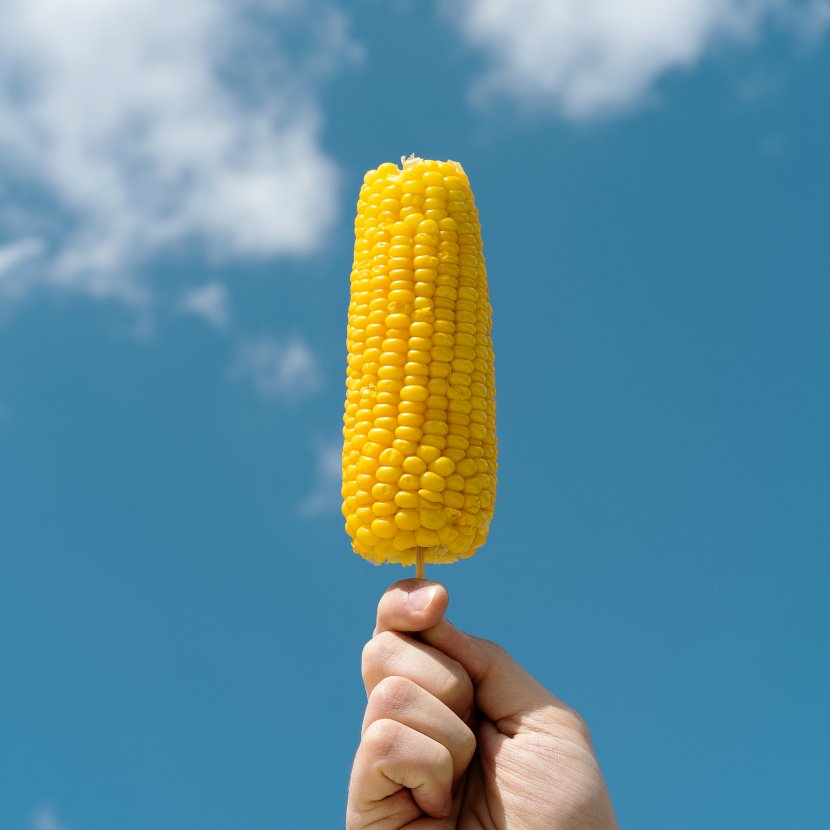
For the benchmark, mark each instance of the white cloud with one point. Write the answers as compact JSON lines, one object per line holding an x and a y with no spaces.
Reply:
{"x":210,"y":302}
{"x":280,"y":370}
{"x":325,"y":496}
{"x":44,"y":818}
{"x":585,"y":58}
{"x":14,"y":254}
{"x":145,"y":125}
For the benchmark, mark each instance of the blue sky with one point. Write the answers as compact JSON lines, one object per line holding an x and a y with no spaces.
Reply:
{"x":181,"y":617}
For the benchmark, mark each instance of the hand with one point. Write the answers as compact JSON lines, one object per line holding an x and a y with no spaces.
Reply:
{"x":457,"y":735}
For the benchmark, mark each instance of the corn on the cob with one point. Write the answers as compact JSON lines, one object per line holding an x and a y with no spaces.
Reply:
{"x":419,"y":451}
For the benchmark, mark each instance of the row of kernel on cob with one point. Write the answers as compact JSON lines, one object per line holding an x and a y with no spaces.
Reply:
{"x":419,"y":451}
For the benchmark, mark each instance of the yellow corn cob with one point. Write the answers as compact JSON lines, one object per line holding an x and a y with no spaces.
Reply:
{"x":419,"y":451}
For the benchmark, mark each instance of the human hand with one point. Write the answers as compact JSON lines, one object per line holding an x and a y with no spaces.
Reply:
{"x":457,"y":735}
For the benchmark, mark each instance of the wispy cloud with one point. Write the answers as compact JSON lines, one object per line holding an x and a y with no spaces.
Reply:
{"x":210,"y":302}
{"x":810,"y":20}
{"x":44,"y":818}
{"x":15,"y":254}
{"x":284,"y":370}
{"x":594,"y":57}
{"x":325,"y":495}
{"x":145,"y":125}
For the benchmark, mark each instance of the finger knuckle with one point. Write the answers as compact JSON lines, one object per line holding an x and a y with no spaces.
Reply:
{"x":468,"y":746}
{"x":443,"y":763}
{"x":381,"y":737}
{"x":392,"y":696}
{"x":379,"y":652}
{"x":495,"y":649}
{"x":366,"y":657}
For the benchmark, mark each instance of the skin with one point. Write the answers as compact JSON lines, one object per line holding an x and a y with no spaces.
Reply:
{"x":458,"y":735}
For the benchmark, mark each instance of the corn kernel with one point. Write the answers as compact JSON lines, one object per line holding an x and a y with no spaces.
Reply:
{"x":428,"y":454}
{"x":408,"y":519}
{"x":408,"y":499}
{"x":432,"y":481}
{"x":388,"y":475}
{"x":409,"y":482}
{"x":433,"y":519}
{"x":404,"y":540}
{"x":414,"y":465}
{"x":466,"y":468}
{"x":414,"y":393}
{"x":391,"y":458}
{"x":453,"y":498}
{"x":429,"y":498}
{"x":383,"y":492}
{"x":384,"y":528}
{"x":443,"y":466}
{"x":426,"y":538}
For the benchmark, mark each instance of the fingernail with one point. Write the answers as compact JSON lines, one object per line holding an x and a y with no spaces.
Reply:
{"x":420,"y":598}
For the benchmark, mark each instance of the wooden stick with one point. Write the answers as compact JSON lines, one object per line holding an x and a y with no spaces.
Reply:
{"x":419,"y":562}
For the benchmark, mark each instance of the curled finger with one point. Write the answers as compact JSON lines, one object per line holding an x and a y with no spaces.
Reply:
{"x":404,"y":701}
{"x":392,"y":758}
{"x":391,"y":654}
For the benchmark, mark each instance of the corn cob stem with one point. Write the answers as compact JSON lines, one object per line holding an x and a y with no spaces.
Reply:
{"x":419,"y":562}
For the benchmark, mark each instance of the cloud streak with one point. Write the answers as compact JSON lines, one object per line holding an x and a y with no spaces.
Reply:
{"x":144,"y":126}
{"x":279,"y":370}
{"x":44,"y":818}
{"x":210,"y":302}
{"x":597,"y":57}
{"x":325,"y":495}
{"x":810,"y":21}
{"x":15,"y":254}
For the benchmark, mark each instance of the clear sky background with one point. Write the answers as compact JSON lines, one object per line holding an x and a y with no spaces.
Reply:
{"x":181,"y":616}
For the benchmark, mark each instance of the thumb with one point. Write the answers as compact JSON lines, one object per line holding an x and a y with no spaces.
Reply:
{"x":505,"y":693}
{"x":411,"y":605}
